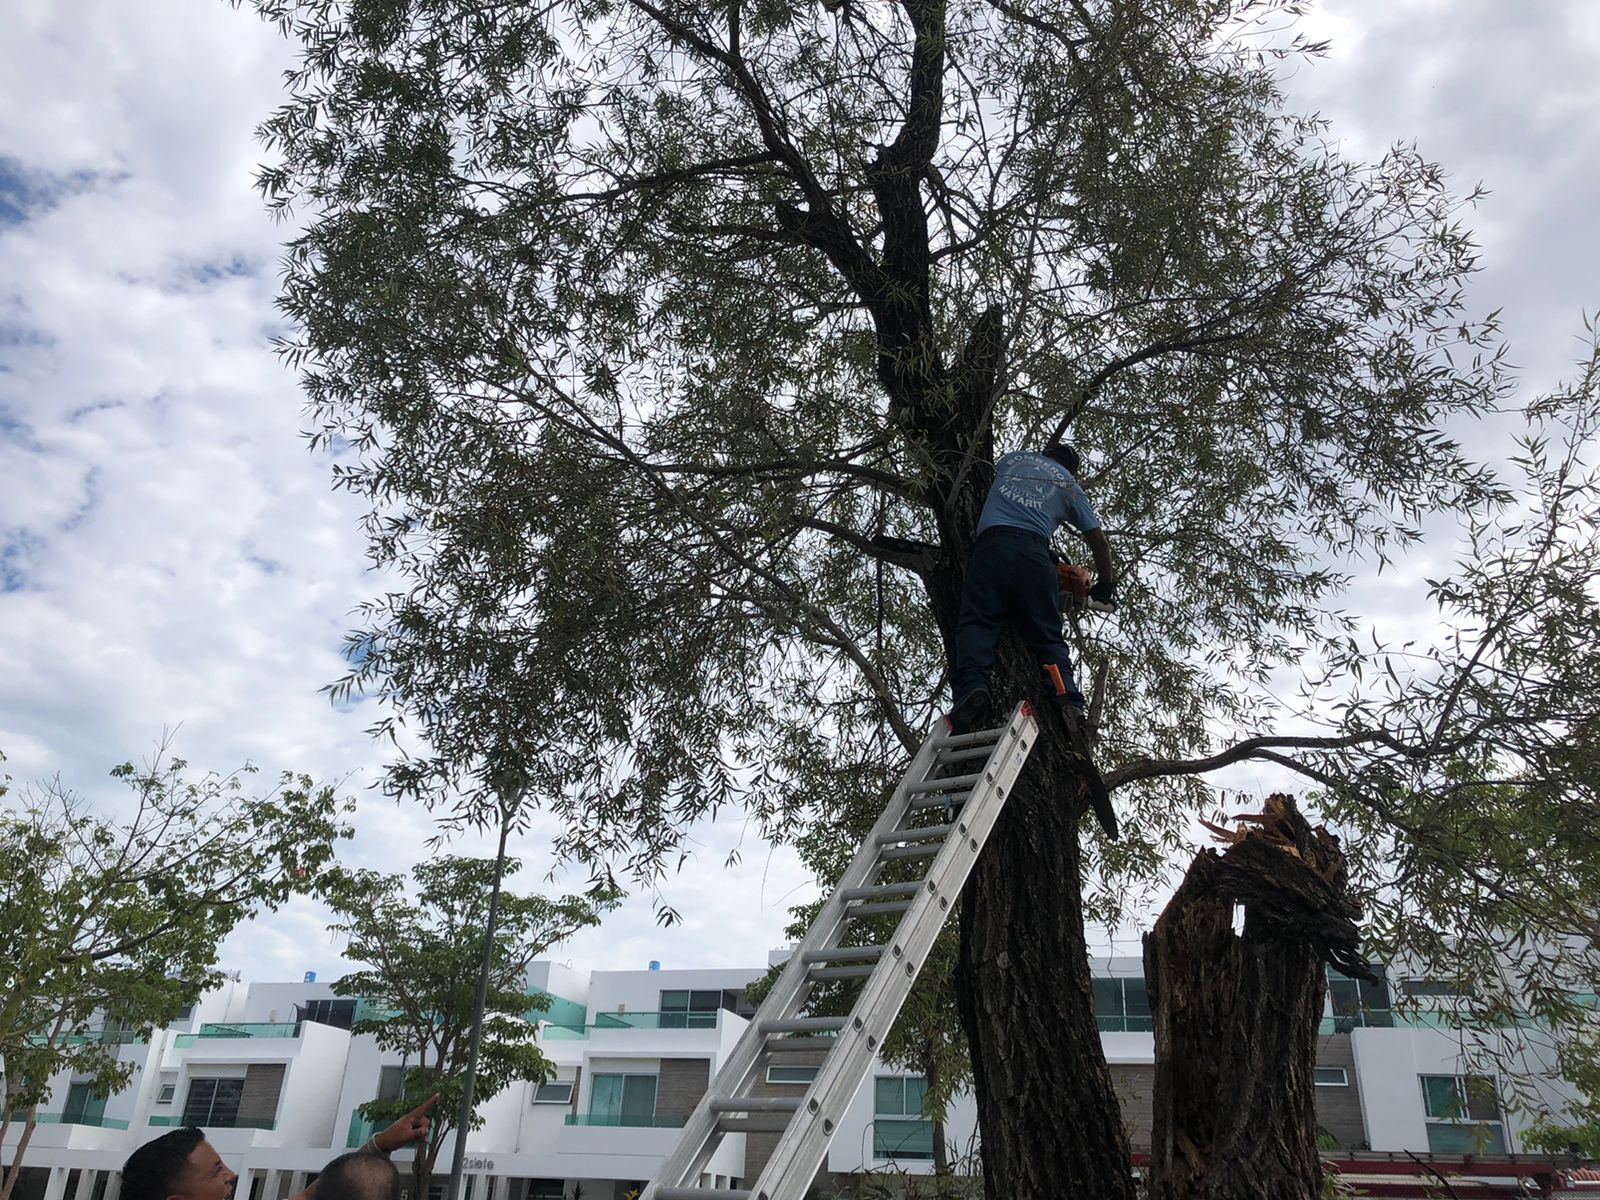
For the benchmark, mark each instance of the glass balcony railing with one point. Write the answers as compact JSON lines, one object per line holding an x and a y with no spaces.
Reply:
{"x":624,"y":1121}
{"x":565,"y":1031}
{"x":241,"y":1029}
{"x":1112,"y":1023}
{"x":360,"y":1130}
{"x":95,"y":1120}
{"x":1365,"y":1018}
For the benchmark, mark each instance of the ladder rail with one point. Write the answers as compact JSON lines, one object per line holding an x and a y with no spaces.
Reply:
{"x":698,"y":1142}
{"x":803,"y":1147}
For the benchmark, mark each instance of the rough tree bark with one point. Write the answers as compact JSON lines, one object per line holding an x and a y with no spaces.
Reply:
{"x":1237,"y":1013}
{"x":1047,"y":1110}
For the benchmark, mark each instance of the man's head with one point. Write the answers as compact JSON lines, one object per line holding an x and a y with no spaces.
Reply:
{"x":179,"y":1164}
{"x":358,"y":1176}
{"x":1063,"y":454}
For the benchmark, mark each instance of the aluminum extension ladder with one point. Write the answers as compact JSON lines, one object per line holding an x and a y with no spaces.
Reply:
{"x":970,"y":800}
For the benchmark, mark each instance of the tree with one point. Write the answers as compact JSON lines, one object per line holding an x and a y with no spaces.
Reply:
{"x":110,"y":926}
{"x":671,"y":345}
{"x":420,"y":985}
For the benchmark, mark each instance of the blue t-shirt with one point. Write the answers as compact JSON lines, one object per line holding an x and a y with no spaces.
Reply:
{"x":1035,"y":493}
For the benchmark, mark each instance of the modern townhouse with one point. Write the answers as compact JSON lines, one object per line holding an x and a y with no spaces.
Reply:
{"x":273,"y":1074}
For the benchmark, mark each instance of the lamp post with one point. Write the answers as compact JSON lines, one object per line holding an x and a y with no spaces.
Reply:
{"x":464,"y":1117}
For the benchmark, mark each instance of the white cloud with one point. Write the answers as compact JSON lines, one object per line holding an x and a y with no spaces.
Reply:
{"x":170,"y":553}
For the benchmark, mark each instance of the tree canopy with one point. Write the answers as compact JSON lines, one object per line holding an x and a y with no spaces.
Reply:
{"x":672,"y":344}
{"x":423,"y":954}
{"x":109,"y":926}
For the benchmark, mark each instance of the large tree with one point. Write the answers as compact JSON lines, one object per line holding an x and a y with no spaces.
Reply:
{"x":109,"y":924}
{"x":423,"y":954}
{"x":672,"y":344}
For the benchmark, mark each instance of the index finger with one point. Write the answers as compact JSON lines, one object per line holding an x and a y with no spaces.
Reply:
{"x":421,"y":1110}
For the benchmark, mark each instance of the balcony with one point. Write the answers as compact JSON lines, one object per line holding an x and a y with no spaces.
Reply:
{"x":624,"y":1121}
{"x":1113,"y":1023}
{"x":235,"y":1123}
{"x":1360,"y":1018}
{"x":94,"y":1120}
{"x":241,"y":1029}
{"x":635,"y":1020}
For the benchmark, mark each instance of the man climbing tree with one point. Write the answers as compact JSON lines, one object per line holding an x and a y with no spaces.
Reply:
{"x":1011,"y":576}
{"x":671,"y":342}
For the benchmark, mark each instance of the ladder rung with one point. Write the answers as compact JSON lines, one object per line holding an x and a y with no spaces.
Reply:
{"x":755,"y":1104}
{"x":775,"y":1123}
{"x":921,"y":850}
{"x":963,"y":754}
{"x":928,"y":833}
{"x":977,"y":737}
{"x":841,"y":954}
{"x":856,"y":912}
{"x":879,"y":890}
{"x":678,"y":1193}
{"x":821,"y":973}
{"x":804,"y":1025}
{"x":955,"y":783}
{"x":800,"y":1045}
{"x":954,"y":799}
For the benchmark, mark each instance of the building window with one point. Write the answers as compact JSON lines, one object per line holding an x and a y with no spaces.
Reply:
{"x":1122,"y":1006}
{"x":82,"y":1107}
{"x":168,"y":1091}
{"x":213,"y":1102}
{"x":898,"y":1130}
{"x":1330,"y":1077}
{"x":553,"y":1093}
{"x":391,"y":1083}
{"x":690,"y":1010}
{"x":791,"y":1074}
{"x":341,"y":1014}
{"x":184,"y":1013}
{"x":1359,"y":1002}
{"x":547,"y":1189}
{"x":623,"y":1100}
{"x":1463,"y":1114}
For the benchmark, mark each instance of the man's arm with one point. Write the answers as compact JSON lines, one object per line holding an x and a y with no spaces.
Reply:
{"x":413,"y":1127}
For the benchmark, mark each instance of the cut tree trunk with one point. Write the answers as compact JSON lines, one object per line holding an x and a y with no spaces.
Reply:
{"x":1237,"y":1013}
{"x":1047,"y":1112}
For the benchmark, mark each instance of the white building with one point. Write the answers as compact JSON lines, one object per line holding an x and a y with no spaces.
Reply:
{"x":272,"y":1073}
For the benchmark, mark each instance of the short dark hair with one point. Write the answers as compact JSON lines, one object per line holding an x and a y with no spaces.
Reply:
{"x":359,"y":1176}
{"x":155,"y":1170}
{"x":1063,"y":454}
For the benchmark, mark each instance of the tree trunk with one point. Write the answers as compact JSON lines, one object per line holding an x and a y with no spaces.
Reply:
{"x":13,"y":1172}
{"x":1237,"y":1014}
{"x":1047,"y":1111}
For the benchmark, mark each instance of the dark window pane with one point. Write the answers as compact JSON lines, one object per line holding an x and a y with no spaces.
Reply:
{"x":1136,"y":997}
{"x":889,"y":1097}
{"x":1482,"y":1104}
{"x":705,"y":1001}
{"x":671,"y":1001}
{"x":1441,"y":1097}
{"x":1108,"y":1000}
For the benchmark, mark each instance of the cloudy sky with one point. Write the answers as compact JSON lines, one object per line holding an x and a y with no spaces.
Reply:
{"x":171,"y":556}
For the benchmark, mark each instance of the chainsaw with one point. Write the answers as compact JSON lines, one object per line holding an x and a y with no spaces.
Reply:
{"x":1074,"y":583}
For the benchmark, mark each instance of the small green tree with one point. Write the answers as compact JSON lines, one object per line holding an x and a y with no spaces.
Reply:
{"x":421,"y":981}
{"x":109,"y":927}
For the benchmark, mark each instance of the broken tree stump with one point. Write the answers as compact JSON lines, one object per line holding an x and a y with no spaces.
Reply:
{"x":1237,"y":1012}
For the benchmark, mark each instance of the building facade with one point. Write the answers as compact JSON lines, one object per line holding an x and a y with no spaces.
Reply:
{"x":273,"y":1074}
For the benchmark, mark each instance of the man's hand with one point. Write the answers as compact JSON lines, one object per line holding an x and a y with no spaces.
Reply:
{"x":412,"y":1127}
{"x":1104,"y":593}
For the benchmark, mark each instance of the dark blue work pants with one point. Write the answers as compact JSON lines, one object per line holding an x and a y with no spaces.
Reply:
{"x":1011,"y":578}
